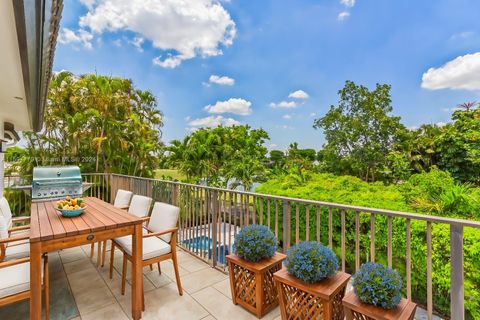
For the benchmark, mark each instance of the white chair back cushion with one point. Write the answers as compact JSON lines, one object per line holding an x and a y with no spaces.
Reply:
{"x":122,"y":199}
{"x":15,"y":279}
{"x":140,"y":206}
{"x":164,"y":216}
{"x":5,"y":211}
{"x":3,"y":227}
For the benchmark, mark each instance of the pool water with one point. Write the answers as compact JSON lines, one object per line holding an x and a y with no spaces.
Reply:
{"x":204,"y":243}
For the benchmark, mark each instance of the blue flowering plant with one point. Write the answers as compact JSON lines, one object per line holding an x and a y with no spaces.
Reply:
{"x":254,"y":243}
{"x":311,"y":261}
{"x":378,"y":285}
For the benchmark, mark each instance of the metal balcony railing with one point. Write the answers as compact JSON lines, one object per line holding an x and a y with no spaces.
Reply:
{"x":210,"y":218}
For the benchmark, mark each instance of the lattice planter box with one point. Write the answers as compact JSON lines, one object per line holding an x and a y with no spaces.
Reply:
{"x":357,"y":310}
{"x":319,"y":301}
{"x":252,"y":283}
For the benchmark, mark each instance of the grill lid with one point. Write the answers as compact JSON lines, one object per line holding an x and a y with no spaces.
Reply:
{"x":56,"y":173}
{"x":56,"y":182}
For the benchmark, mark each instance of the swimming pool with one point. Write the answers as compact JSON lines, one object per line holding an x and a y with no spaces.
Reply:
{"x":204,"y":243}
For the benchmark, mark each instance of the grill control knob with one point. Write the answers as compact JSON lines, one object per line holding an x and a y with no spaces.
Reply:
{"x":39,"y":194}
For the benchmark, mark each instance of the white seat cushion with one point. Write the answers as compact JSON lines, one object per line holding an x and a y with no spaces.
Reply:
{"x":152,"y":246}
{"x":5,"y":211}
{"x":3,"y":227}
{"x":122,"y":199}
{"x":15,"y":279}
{"x":17,"y":250}
{"x":140,"y":206}
{"x":164,"y":216}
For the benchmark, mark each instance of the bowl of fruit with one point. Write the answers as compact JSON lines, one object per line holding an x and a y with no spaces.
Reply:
{"x":71,"y":207}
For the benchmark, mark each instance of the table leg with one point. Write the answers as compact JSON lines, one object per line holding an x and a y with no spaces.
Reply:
{"x":137,"y":278}
{"x":35,"y":281}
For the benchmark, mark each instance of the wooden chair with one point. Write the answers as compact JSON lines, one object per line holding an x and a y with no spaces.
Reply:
{"x":140,"y":207}
{"x":12,"y":246}
{"x":159,"y":242}
{"x":122,"y":201}
{"x":15,"y":281}
{"x":11,"y":221}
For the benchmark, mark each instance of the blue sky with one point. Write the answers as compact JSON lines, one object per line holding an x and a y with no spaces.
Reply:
{"x":266,"y":50}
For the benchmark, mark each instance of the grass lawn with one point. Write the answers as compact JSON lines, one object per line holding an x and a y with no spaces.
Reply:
{"x":169,"y":174}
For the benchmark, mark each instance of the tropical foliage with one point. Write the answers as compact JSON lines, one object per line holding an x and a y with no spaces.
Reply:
{"x":222,"y":156}
{"x":101,"y":123}
{"x":359,"y":131}
{"x":425,"y":189}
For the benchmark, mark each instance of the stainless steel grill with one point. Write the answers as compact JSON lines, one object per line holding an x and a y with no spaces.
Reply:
{"x":51,"y":183}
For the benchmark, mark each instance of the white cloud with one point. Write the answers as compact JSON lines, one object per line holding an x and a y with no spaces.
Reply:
{"x":440,"y":124}
{"x":170,"y":62}
{"x":460,"y":73}
{"x":80,"y":37}
{"x":299,"y":94}
{"x":287,"y":117}
{"x":221,"y":80}
{"x":284,"y":105}
{"x":233,"y":105}
{"x":213,"y":121}
{"x":313,"y":114}
{"x":137,"y":43}
{"x":348,"y":3}
{"x":185,"y":29}
{"x":343,"y":15}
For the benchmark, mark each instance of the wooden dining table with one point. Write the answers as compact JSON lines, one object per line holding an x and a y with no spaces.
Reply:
{"x":50,"y":231}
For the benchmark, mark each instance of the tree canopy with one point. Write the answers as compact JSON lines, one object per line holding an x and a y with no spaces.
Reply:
{"x":222,"y":156}
{"x":101,"y":123}
{"x":359,"y":131}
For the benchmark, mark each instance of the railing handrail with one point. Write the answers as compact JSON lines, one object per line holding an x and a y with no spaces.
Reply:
{"x":392,"y":213}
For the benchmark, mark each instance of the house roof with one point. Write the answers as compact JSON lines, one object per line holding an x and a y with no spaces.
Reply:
{"x":28,"y":33}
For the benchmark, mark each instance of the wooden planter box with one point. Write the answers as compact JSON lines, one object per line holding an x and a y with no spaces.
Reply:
{"x":319,"y":301}
{"x":356,"y":309}
{"x":252,"y":283}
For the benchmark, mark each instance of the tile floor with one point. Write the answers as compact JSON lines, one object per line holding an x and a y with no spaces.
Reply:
{"x":206,"y":291}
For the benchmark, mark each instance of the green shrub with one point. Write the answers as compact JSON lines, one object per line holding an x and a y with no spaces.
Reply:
{"x":435,"y":187}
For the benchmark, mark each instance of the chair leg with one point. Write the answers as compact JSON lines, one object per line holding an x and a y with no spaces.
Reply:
{"x":159,"y":269}
{"x":92,"y":250}
{"x":104,"y":253}
{"x":124,"y":273}
{"x":99,"y":253}
{"x":46,"y":279}
{"x":151,"y":267}
{"x":177,"y":275}
{"x":112,"y":256}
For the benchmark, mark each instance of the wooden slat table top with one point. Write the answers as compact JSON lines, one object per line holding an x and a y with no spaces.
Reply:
{"x":47,"y":223}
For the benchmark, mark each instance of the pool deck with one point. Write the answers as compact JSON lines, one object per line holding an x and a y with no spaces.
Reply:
{"x":81,"y":290}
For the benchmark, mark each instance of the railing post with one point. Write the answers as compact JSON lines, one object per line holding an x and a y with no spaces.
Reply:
{"x":215,"y":208}
{"x":456,"y":272}
{"x":110,"y":184}
{"x":175,"y":195}
{"x":286,"y":225}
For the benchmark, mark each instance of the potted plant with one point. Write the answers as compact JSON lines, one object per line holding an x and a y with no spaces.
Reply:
{"x":377,"y":294}
{"x":251,"y":269}
{"x":311,"y":287}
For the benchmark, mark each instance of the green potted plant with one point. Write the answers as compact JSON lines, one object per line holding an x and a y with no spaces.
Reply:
{"x":310,"y":286}
{"x":251,"y":269}
{"x":377,"y":293}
